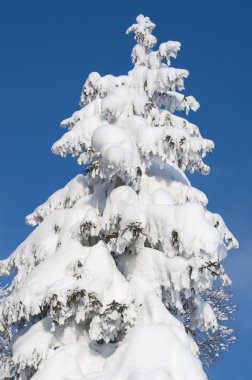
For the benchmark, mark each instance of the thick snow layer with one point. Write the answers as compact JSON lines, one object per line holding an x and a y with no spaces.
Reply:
{"x":59,"y":223}
{"x":173,"y":182}
{"x":77,"y":188}
{"x":117,"y":149}
{"x":152,"y":352}
{"x":158,"y":216}
{"x":195,"y":233}
{"x":69,"y":362}
{"x":51,"y":235}
{"x":150,"y":270}
{"x":32,"y":346}
{"x":67,"y":272}
{"x":120,"y":144}
{"x":58,"y":352}
{"x":157,"y":348}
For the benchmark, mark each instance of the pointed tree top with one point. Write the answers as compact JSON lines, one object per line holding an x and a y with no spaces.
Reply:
{"x":142,"y":31}
{"x":142,"y":53}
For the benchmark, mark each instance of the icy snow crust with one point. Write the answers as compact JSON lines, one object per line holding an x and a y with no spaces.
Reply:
{"x":117,"y":252}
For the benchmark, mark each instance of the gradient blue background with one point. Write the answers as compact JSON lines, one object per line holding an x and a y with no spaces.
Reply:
{"x":47,"y":50}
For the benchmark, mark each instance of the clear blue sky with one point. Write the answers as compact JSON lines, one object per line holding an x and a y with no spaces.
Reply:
{"x":48,"y":48}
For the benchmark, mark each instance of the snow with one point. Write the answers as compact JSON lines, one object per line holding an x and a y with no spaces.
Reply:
{"x":32,"y":346}
{"x":89,"y":131}
{"x":77,"y":188}
{"x":150,"y":351}
{"x":119,"y":269}
{"x":169,"y":50}
{"x":150,"y":270}
{"x":67,"y":363}
{"x":45,"y":284}
{"x":143,"y":25}
{"x":117,"y":151}
{"x":59,"y":350}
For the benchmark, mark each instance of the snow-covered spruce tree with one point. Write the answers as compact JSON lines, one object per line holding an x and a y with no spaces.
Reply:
{"x":114,"y":283}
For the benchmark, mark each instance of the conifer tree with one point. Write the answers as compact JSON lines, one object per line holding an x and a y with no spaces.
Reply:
{"x":116,"y":280}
